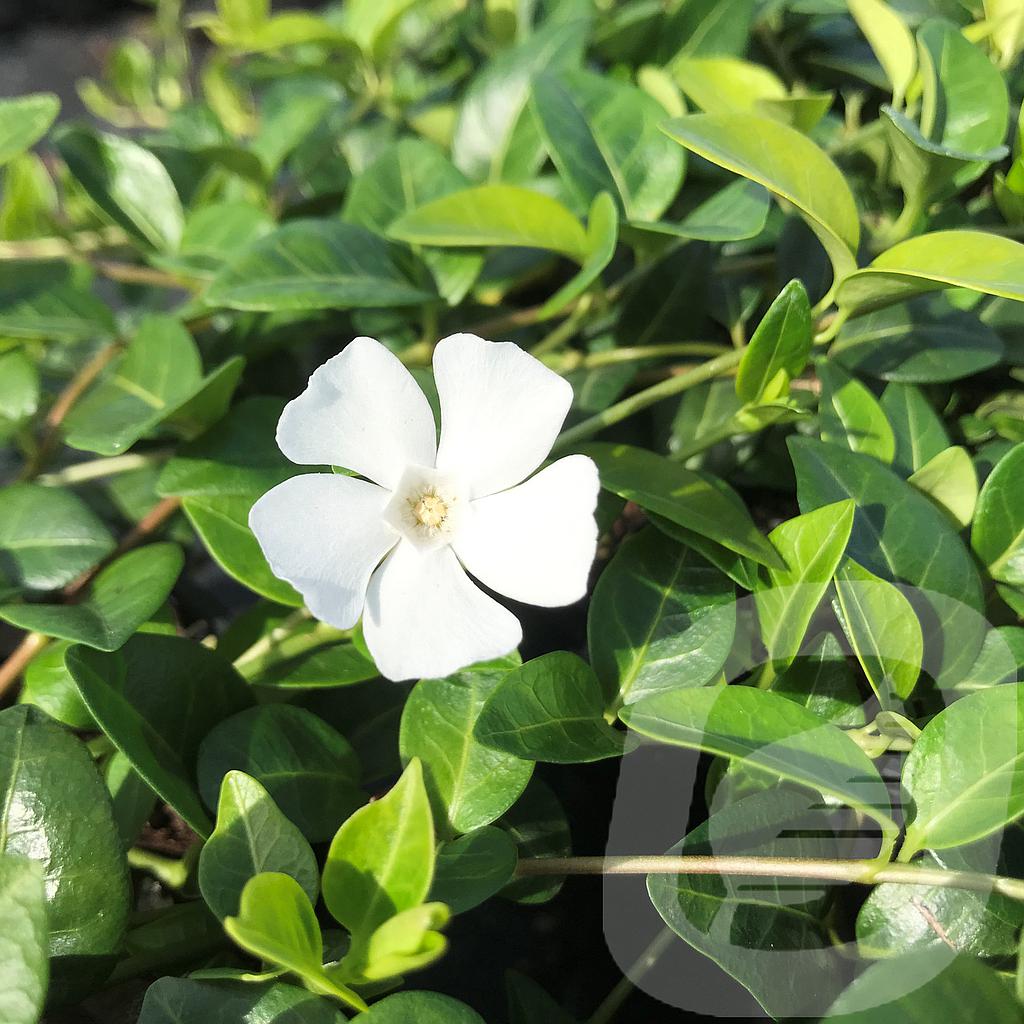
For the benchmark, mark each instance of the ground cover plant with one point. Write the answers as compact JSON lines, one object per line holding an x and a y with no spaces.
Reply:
{"x":744,"y":483}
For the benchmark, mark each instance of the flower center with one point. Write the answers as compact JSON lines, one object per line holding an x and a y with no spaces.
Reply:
{"x":426,"y":507}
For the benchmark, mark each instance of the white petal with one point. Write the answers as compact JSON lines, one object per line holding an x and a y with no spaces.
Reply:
{"x":425,"y":618}
{"x":536,"y":542}
{"x":325,"y":534}
{"x":501,"y":411}
{"x":361,"y":410}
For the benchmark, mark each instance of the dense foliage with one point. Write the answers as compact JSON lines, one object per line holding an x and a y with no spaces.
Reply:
{"x":771,"y":245}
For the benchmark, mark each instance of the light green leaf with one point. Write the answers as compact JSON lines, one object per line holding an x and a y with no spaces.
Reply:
{"x":891,"y":42}
{"x":788,"y":164}
{"x":122,"y":597}
{"x":883,"y":630}
{"x":661,"y":618}
{"x":409,"y":941}
{"x":850,"y":415}
{"x":965,"y":774}
{"x":26,"y":971}
{"x":919,"y":432}
{"x":314,"y":264}
{"x":381,"y":861}
{"x":550,"y":709}
{"x":812,"y":546}
{"x":726,"y":85}
{"x":19,"y":391}
{"x":778,"y":349}
{"x":252,"y":836}
{"x":24,"y":120}
{"x":470,"y":784}
{"x":998,"y":532}
{"x":951,"y":481}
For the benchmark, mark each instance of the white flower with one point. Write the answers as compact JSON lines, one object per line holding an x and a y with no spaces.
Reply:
{"x":396,"y":547}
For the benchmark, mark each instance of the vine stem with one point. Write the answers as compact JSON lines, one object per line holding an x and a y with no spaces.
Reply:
{"x":863,"y":872}
{"x":649,"y":396}
{"x":612,"y":1003}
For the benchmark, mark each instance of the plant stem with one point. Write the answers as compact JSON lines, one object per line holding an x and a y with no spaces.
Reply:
{"x":95,"y":469}
{"x":269,"y":641}
{"x":612,"y":1003}
{"x":574,"y":360}
{"x":862,"y":872}
{"x":649,"y":396}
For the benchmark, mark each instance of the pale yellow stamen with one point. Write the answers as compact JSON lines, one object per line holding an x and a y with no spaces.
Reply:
{"x":430,"y":510}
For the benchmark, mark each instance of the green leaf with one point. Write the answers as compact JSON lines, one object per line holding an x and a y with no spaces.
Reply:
{"x":173,"y":1000}
{"x":49,"y":686}
{"x":213,"y":234}
{"x":409,"y":941}
{"x":742,"y":923}
{"x":404,"y":176}
{"x":898,"y":534}
{"x":25,"y":972}
{"x":538,"y":825}
{"x":122,"y":597}
{"x":603,"y":136}
{"x":769,"y":733}
{"x":55,"y":810}
{"x":786,"y":163}
{"x":883,"y":630}
{"x":661,"y":617}
{"x":156,"y":379}
{"x":705,"y":28}
{"x":52,"y":302}
{"x":923,"y":341}
{"x":779,"y":347}
{"x":24,"y":120}
{"x":891,"y":41}
{"x":933,"y":984}
{"x":252,"y":836}
{"x":727,"y":85}
{"x":504,"y":215}
{"x":1001,"y":660}
{"x":473,"y":868}
{"x":340,"y":664}
{"x":314,"y":264}
{"x":666,"y":488}
{"x":965,"y":773}
{"x":951,"y":481}
{"x":735,"y":212}
{"x":156,"y":698}
{"x":19,"y":391}
{"x":998,"y":532}
{"x":470,"y":784}
{"x":528,"y":1003}
{"x":420,"y":1008}
{"x":812,"y":546}
{"x":851,"y":416}
{"x":550,"y":709}
{"x":975,"y":260}
{"x":919,"y":432}
{"x":381,"y":861}
{"x":276,"y":922}
{"x":128,"y":183}
{"x":823,"y":681}
{"x":308,"y":768}
{"x":48,"y":537}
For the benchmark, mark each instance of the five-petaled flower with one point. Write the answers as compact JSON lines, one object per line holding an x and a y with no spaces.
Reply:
{"x":397,"y":547}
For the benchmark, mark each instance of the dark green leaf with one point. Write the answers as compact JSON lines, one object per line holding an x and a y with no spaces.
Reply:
{"x":471,"y":869}
{"x":420,"y":1008}
{"x":920,"y":434}
{"x":823,"y":681}
{"x":735,"y":212}
{"x":538,"y":825}
{"x":53,"y":302}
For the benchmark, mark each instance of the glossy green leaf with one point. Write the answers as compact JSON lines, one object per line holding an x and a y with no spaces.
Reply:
{"x":340,"y":664}
{"x":786,"y":163}
{"x":252,"y":836}
{"x":975,"y":260}
{"x":1000,"y":660}
{"x":851,"y":416}
{"x":891,"y":42}
{"x":159,"y":380}
{"x":735,"y":212}
{"x":823,"y":681}
{"x":812,"y":546}
{"x":48,"y":537}
{"x":420,"y":1008}
{"x":739,"y":922}
{"x":550,"y":709}
{"x":998,"y":532}
{"x":55,"y":810}
{"x":381,"y":861}
{"x":409,"y":941}
{"x":919,"y":432}
{"x":24,"y":120}
{"x":473,"y":868}
{"x":778,"y":349}
{"x":50,"y":687}
{"x":951,"y":481}
{"x":899,"y":535}
{"x":503,"y":215}
{"x":965,"y":774}
{"x":314,"y":264}
{"x":308,"y":768}
{"x":768,"y":733}
{"x":603,"y":137}
{"x":883,"y":630}
{"x":53,"y":302}
{"x":25,"y":970}
{"x":666,"y":488}
{"x":661,"y":617}
{"x":726,"y":85}
{"x":469,"y":783}
{"x":122,"y":597}
{"x":127,"y":182}
{"x":156,"y":698}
